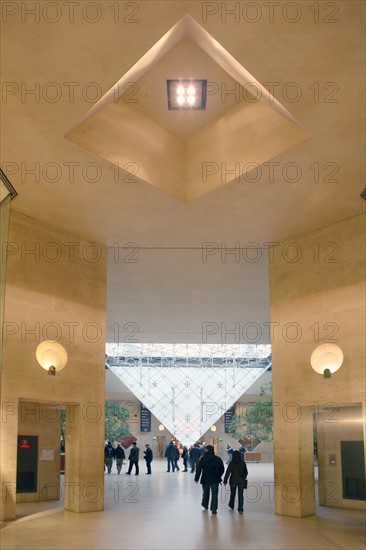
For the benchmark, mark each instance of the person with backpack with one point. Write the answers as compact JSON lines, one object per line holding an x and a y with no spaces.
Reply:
{"x":109,"y":456}
{"x":238,"y":472}
{"x":211,"y":467}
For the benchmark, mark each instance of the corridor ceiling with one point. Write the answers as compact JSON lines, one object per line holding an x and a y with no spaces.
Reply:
{"x":310,"y":58}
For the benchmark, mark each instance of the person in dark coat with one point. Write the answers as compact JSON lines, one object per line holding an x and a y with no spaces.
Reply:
{"x":237,"y":471}
{"x":148,"y":456}
{"x":134,"y":459}
{"x":211,"y":467}
{"x":120,"y":456}
{"x":194,"y":456}
{"x":170,"y":456}
{"x":176,"y":457}
{"x":108,"y":456}
{"x":185,"y":458}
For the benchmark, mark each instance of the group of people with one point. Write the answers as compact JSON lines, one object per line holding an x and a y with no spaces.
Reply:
{"x":173,"y":453}
{"x":190,"y":457}
{"x":210,"y":470}
{"x":118,"y":454}
{"x":207,"y":467}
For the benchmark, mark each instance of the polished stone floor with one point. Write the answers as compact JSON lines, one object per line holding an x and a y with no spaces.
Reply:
{"x":163,"y":511}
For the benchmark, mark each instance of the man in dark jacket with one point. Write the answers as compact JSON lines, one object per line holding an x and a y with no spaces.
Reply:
{"x":176,"y":457}
{"x":194,"y":456}
{"x":134,"y":459}
{"x":185,"y":458}
{"x":120,"y":455}
{"x":108,"y":456}
{"x":148,"y":456}
{"x":170,"y":454}
{"x":211,"y":467}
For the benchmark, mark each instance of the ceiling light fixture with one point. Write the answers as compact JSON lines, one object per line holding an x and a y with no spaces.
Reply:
{"x":187,"y":95}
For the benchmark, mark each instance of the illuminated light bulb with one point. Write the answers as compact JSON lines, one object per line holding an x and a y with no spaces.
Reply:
{"x":51,"y":355}
{"x":191,"y":90}
{"x":51,"y":358}
{"x":191,"y":100}
{"x":326,"y":359}
{"x":180,"y":90}
{"x":180,"y":100}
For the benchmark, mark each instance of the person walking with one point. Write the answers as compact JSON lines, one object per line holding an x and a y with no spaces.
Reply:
{"x":176,"y":457}
{"x":170,"y":456}
{"x":120,"y":456}
{"x":185,"y":458}
{"x":134,"y":459}
{"x":229,"y":451}
{"x":211,"y":467}
{"x":108,"y":456}
{"x":236,"y":473}
{"x":194,"y":456}
{"x":148,"y":456}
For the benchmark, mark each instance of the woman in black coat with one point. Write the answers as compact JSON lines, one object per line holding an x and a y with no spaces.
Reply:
{"x":238,"y":472}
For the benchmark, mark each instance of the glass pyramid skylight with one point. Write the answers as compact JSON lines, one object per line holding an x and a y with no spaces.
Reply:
{"x":188,"y":387}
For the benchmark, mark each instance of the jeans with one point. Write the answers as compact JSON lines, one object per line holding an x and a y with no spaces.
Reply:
{"x":108,"y":462}
{"x":206,"y":488}
{"x":240,"y":496}
{"x":119,"y":462}
{"x":171,"y":461}
{"x":194,"y":463}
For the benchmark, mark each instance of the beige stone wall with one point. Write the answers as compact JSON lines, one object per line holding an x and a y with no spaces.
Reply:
{"x":55,"y":290}
{"x":317,"y":294}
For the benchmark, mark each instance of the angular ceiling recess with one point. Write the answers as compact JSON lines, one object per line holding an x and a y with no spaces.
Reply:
{"x":188,"y":153}
{"x":188,"y":387}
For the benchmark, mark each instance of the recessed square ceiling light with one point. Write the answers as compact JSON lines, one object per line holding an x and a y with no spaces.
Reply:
{"x":187,"y":95}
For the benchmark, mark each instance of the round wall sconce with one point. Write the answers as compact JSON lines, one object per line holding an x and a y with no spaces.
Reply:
{"x":161,"y":427}
{"x":52,"y":356}
{"x":326,"y":359}
{"x":213,"y":428}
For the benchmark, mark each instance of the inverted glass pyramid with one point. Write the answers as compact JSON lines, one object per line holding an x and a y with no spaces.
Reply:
{"x":188,"y":387}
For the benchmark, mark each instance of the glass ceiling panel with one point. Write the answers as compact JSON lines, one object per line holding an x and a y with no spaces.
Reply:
{"x":188,"y":387}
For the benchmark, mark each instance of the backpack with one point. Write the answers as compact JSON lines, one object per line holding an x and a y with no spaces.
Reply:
{"x":109,"y":452}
